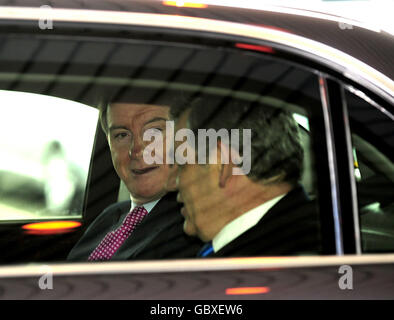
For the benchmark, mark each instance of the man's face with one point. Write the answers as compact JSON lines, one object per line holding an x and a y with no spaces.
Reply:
{"x":197,"y":189}
{"x":127,"y":123}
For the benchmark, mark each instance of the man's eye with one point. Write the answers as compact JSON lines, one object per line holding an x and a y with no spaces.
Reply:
{"x":121,"y":135}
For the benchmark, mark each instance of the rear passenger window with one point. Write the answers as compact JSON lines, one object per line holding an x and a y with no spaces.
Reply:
{"x":49,"y":130}
{"x":46,"y":145}
{"x":373,"y":143}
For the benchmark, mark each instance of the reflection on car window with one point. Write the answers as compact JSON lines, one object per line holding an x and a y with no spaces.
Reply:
{"x":136,"y":79}
{"x":45,"y":145}
{"x":373,"y":143}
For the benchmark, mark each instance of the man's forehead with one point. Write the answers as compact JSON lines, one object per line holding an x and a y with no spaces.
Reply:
{"x":143,"y":112}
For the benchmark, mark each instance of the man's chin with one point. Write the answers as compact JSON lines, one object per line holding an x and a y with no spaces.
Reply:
{"x":146,"y":195}
{"x":190,"y":231}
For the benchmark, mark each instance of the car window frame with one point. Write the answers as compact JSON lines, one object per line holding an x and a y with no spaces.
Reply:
{"x":332,"y":241}
{"x":333,"y":231}
{"x":374,"y":101}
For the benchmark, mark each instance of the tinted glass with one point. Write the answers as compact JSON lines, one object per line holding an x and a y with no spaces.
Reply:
{"x":373,"y":143}
{"x":162,"y":74}
{"x":46,"y":146}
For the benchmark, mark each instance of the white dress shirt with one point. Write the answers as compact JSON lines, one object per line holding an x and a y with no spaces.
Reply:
{"x":148,"y":206}
{"x":241,"y":224}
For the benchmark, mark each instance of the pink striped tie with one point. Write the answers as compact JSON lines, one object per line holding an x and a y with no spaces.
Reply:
{"x":114,"y":239}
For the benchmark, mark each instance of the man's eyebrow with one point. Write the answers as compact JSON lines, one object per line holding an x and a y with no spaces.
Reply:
{"x":111,"y":128}
{"x":155,"y":119}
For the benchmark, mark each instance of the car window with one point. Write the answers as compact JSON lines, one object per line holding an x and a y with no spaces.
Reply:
{"x":46,"y":145}
{"x":373,"y":142}
{"x":307,"y":177}
{"x":162,"y":74}
{"x":86,"y":72}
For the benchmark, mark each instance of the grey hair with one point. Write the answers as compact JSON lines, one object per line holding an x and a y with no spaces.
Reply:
{"x":276,"y":149}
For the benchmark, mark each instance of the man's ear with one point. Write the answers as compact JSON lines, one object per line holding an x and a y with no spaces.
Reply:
{"x":226,"y":168}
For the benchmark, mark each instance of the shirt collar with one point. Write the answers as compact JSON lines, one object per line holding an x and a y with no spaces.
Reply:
{"x":243,"y":223}
{"x":148,"y":206}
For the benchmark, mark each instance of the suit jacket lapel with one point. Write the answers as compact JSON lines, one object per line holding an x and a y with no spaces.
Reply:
{"x":161,"y":216}
{"x":122,"y":210}
{"x":107,"y":221}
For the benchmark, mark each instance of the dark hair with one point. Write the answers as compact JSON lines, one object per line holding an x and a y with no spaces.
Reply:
{"x":103,"y":109}
{"x":104,"y":101}
{"x":276,"y":148}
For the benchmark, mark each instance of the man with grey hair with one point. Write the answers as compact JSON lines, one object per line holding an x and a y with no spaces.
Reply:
{"x":262,"y":212}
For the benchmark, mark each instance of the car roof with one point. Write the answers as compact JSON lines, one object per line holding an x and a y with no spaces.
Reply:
{"x":359,"y":54}
{"x":362,"y":41}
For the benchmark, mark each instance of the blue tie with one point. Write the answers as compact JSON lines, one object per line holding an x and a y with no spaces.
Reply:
{"x":206,"y":250}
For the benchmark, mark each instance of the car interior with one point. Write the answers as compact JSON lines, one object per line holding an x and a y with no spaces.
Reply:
{"x":153,"y":71}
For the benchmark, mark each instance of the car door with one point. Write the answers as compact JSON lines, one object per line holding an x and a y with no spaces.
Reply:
{"x":153,"y":65}
{"x":152,"y":70}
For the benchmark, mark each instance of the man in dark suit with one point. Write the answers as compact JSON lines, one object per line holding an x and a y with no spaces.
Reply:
{"x":149,"y":226}
{"x":251,"y":204}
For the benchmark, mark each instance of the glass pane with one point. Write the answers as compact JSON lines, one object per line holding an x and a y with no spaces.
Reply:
{"x":144,"y":74}
{"x":373,"y":143}
{"x":45,"y":145}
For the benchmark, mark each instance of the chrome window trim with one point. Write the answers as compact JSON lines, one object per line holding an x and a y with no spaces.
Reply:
{"x":332,"y":167}
{"x":191,"y":265}
{"x":366,"y":98}
{"x":348,"y":66}
{"x":374,"y":104}
{"x":349,"y":144}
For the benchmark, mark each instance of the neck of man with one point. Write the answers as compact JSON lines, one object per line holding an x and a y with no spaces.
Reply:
{"x":242,"y":195}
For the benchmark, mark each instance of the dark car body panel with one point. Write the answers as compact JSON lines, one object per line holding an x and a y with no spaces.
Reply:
{"x":373,"y":279}
{"x":373,"y":47}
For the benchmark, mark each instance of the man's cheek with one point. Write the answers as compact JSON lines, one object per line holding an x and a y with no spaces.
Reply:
{"x":121,"y":164}
{"x":172,"y":179}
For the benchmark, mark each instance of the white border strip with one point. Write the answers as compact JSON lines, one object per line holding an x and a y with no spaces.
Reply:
{"x":350,"y":64}
{"x":191,"y":265}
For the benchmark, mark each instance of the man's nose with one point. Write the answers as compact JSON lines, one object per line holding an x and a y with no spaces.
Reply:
{"x":136,"y":148}
{"x":177,"y":179}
